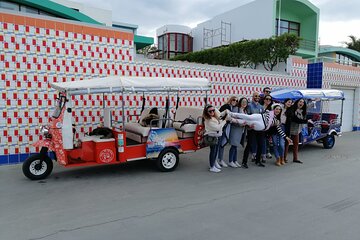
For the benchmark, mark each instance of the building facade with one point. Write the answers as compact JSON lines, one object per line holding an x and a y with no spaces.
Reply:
{"x":261,"y":19}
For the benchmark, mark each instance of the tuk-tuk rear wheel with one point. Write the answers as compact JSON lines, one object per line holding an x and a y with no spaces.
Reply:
{"x":168,"y":160}
{"x":329,"y":141}
{"x":36,"y":169}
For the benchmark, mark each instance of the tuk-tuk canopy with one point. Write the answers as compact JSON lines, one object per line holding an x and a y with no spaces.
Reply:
{"x":116,"y":84}
{"x":294,"y":94}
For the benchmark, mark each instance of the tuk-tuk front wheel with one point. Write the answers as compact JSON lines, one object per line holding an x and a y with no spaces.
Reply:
{"x":168,"y":160}
{"x":37,"y":167}
{"x":329,"y":141}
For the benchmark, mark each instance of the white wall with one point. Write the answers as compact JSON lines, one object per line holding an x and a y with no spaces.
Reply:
{"x":101,"y":15}
{"x":173,"y":29}
{"x":251,"y":21}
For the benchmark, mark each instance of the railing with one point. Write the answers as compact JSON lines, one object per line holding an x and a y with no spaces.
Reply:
{"x":334,"y":60}
{"x":306,"y":44}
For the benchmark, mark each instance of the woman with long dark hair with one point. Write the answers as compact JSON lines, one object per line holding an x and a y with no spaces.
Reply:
{"x":287,"y":106}
{"x":296,"y":118}
{"x":277,"y":139}
{"x":268,"y":102}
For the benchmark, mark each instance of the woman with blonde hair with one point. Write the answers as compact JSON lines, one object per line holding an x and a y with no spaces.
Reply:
{"x":213,"y":131}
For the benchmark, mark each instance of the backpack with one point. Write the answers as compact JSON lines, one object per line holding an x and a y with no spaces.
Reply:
{"x":188,"y":120}
{"x":102,"y":131}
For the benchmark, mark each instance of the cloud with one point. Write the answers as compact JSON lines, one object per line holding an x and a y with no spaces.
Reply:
{"x":336,"y":32}
{"x":338,"y":19}
{"x":334,"y":11}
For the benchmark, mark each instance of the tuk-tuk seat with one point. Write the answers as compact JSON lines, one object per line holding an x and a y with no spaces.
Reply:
{"x":184,"y":129}
{"x":135,"y":131}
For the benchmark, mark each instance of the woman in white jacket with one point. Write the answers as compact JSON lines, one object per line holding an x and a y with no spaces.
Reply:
{"x":213,"y":130}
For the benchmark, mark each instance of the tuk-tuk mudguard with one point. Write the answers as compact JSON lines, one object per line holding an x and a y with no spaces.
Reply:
{"x":45,"y":143}
{"x":159,"y":139}
{"x":50,"y":145}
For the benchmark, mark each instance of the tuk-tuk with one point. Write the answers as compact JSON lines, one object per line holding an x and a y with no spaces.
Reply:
{"x":122,"y":141}
{"x":326,"y":125}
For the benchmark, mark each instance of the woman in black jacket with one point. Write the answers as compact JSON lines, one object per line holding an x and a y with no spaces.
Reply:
{"x":295,"y":119}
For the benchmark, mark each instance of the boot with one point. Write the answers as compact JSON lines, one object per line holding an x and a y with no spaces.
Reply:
{"x":282,"y":160}
{"x":278,"y":162}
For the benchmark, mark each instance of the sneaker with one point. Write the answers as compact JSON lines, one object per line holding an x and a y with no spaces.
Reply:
{"x":259,"y":164}
{"x":223,"y":163}
{"x":268,"y":155}
{"x":237,"y":164}
{"x":214,"y":170}
{"x":244,"y":165}
{"x":263,"y":160}
{"x":217,"y":165}
{"x":233,"y":165}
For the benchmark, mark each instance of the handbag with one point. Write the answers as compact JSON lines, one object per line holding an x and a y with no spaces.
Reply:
{"x":210,"y":141}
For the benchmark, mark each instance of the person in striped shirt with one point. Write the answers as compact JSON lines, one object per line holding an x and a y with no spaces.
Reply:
{"x":260,"y":121}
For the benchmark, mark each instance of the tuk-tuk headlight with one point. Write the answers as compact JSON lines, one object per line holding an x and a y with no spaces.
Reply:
{"x":45,"y":131}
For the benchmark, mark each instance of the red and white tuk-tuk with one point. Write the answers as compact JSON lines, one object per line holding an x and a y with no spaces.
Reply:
{"x":162,"y":142}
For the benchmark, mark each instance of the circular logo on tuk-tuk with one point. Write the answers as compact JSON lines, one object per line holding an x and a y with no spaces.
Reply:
{"x":106,"y":155}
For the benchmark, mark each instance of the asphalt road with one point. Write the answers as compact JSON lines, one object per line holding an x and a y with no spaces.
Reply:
{"x":319,"y":199}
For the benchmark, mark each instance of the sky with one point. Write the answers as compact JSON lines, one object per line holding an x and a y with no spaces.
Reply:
{"x":338,"y":19}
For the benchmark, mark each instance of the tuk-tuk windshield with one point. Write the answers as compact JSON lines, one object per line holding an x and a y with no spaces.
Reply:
{"x":59,"y":104}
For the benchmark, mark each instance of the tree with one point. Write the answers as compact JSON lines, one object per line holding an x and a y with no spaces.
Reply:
{"x":354,"y":43}
{"x":148,"y":51}
{"x":268,"y":52}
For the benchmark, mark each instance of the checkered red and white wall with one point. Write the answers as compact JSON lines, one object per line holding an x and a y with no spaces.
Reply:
{"x":34,"y":52}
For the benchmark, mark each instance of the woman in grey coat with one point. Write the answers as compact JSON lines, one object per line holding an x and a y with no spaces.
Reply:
{"x":237,"y":133}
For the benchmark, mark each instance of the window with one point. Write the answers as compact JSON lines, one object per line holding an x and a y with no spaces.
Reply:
{"x":165,"y":43}
{"x":287,"y":27}
{"x":23,"y":8}
{"x":160,"y":42}
{"x":46,"y":13}
{"x":9,"y":5}
{"x":179,"y":42}
{"x":186,"y":45}
{"x":172,"y":42}
{"x":28,"y":9}
{"x":345,"y":60}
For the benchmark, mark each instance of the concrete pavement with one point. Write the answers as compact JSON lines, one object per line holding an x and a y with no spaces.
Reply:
{"x":319,"y":199}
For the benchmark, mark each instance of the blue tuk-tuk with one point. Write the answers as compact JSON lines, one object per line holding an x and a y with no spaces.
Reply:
{"x":326,"y":125}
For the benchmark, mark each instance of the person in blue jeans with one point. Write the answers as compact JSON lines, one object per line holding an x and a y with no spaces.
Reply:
{"x":257,"y":138}
{"x":229,"y":105}
{"x":278,"y":140}
{"x":213,"y":128}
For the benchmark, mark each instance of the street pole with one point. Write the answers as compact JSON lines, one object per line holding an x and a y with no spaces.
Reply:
{"x":279,"y":18}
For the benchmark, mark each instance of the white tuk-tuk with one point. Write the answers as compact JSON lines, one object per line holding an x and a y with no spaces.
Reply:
{"x":326,"y":125}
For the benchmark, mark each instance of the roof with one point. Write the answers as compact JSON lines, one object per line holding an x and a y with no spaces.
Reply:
{"x":345,"y":51}
{"x":58,"y":10}
{"x":325,"y":94}
{"x":114,"y":84}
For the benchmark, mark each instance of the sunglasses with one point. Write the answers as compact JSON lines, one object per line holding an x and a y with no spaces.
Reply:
{"x":234,"y":100}
{"x":267,"y":91}
{"x":211,"y":110}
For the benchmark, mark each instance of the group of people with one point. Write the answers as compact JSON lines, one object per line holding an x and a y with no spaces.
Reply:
{"x":253,"y":125}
